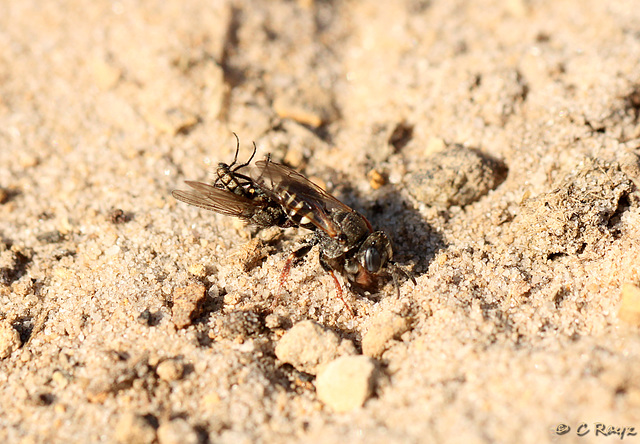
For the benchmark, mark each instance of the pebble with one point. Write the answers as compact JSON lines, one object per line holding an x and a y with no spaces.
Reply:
{"x":382,"y":328}
{"x":198,"y":270}
{"x":249,"y":255}
{"x":13,"y":262}
{"x":113,"y":374}
{"x":105,"y":75}
{"x":311,"y":106}
{"x":170,"y":370}
{"x":273,"y":321}
{"x":376,"y":179}
{"x":60,"y":379}
{"x":9,"y":339}
{"x":309,"y":347}
{"x":577,"y":214}
{"x":177,"y":431}
{"x":346,"y":383}
{"x":134,"y":429}
{"x":455,"y":176}
{"x":630,"y":308}
{"x":237,"y":325}
{"x":173,"y":121}
{"x":187,"y":304}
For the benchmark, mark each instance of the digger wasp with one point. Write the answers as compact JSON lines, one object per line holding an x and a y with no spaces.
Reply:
{"x":272,"y":194}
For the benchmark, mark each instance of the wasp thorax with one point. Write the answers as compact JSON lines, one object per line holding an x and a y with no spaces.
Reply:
{"x":353,"y":228}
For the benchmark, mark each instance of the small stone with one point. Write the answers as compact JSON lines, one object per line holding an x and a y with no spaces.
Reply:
{"x":376,"y":179}
{"x":309,"y":347}
{"x":287,"y":108}
{"x":27,"y":160}
{"x":112,"y":250}
{"x":114,"y":373}
{"x":23,"y":288}
{"x":211,"y":399}
{"x":198,"y":270}
{"x":400,"y":136}
{"x":455,"y":176}
{"x":237,"y":325}
{"x":60,"y":379}
{"x":346,"y":383}
{"x":273,"y":321}
{"x":271,"y":234}
{"x":498,"y":95}
{"x":170,"y":370}
{"x":311,"y":106}
{"x":294,"y":157}
{"x":177,"y":431}
{"x":9,"y":339}
{"x":434,"y":145}
{"x":145,"y":317}
{"x":134,"y":429}
{"x":382,"y":328}
{"x":630,"y":309}
{"x":518,"y":8}
{"x":187,"y":304}
{"x":105,"y":75}
{"x":118,"y":216}
{"x":173,"y":121}
{"x":581,"y":211}
{"x":12,"y":264}
{"x":50,"y":237}
{"x":249,"y":255}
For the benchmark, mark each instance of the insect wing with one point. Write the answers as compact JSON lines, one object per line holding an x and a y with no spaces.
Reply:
{"x":297,"y":194}
{"x":216,"y":199}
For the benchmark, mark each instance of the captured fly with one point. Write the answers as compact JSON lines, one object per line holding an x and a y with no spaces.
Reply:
{"x":235,"y":194}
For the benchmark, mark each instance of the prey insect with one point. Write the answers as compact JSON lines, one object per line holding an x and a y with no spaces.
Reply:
{"x":235,"y":194}
{"x":272,"y":194}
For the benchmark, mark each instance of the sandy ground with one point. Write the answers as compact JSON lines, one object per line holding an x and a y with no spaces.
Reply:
{"x":496,"y":142}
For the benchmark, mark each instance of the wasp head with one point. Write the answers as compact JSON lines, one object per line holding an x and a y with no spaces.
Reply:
{"x":370,"y":260}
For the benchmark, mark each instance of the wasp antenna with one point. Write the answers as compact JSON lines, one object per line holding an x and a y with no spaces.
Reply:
{"x":396,"y":270}
{"x":410,"y":276}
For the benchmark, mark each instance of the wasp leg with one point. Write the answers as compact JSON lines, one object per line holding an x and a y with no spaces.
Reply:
{"x":293,"y":257}
{"x":339,"y":291}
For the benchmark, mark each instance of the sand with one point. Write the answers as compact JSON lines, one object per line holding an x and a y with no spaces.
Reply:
{"x":497,"y":143}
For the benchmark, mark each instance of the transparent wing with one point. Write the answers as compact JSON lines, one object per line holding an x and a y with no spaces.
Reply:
{"x":214,"y":199}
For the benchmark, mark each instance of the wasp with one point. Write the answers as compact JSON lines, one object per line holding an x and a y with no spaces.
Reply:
{"x":272,"y":194}
{"x":348,"y":242}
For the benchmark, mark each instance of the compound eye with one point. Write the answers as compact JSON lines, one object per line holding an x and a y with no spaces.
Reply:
{"x":372,"y":260}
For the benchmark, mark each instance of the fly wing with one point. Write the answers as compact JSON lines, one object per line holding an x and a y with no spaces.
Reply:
{"x":298,"y":195}
{"x":215,"y":199}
